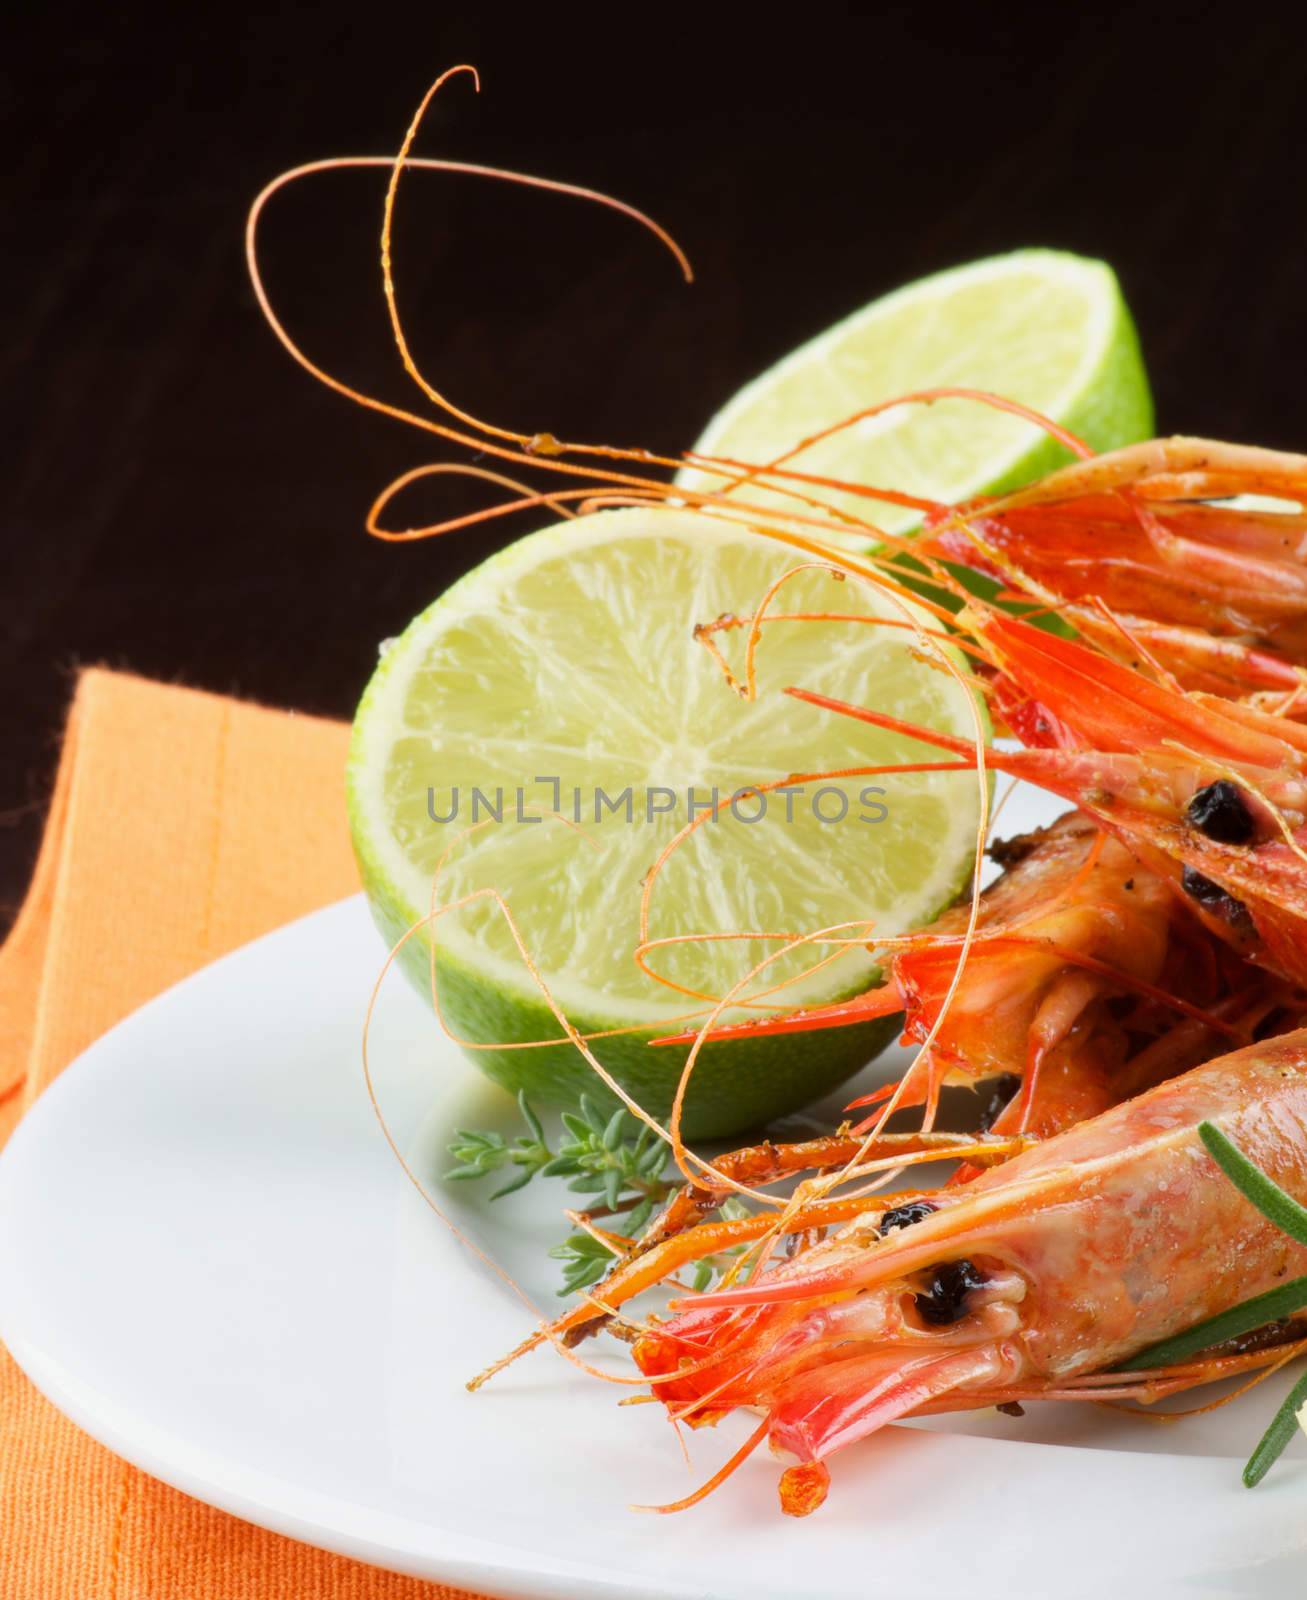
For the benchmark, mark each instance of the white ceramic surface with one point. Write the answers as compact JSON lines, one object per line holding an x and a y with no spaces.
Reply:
{"x":209,"y":1259}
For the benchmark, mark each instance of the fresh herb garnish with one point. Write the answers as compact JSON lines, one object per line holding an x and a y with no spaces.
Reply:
{"x":1277,"y":1436}
{"x":598,"y":1156}
{"x":611,"y":1157}
{"x":1281,"y":1208}
{"x":1233,"y":1324}
{"x":1291,"y":1218}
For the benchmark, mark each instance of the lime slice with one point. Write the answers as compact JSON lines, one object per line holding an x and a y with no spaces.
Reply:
{"x":1047,"y":329}
{"x":564,"y":675}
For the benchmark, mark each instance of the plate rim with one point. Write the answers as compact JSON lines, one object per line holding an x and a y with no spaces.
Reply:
{"x":463,"y":1561}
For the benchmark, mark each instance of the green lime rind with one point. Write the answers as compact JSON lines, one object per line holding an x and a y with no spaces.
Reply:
{"x":1115,"y":409}
{"x":738,"y":1085}
{"x":1106,"y":401}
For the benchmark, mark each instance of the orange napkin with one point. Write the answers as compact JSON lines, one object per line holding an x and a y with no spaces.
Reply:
{"x":182,"y":825}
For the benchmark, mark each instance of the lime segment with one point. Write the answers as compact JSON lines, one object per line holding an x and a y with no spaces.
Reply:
{"x":1042,"y":327}
{"x":564,"y":676}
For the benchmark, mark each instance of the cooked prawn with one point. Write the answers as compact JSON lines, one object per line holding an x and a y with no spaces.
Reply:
{"x":1126,"y":550}
{"x":1081,"y":961}
{"x":1063,"y":1263}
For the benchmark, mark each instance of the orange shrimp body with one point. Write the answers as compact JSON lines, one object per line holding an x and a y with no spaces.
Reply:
{"x":1148,"y":754}
{"x":1070,"y":924}
{"x":1079,"y":962}
{"x":1142,"y":758}
{"x":1066,"y":1261}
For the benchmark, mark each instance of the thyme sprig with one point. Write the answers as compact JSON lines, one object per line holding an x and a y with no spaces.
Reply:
{"x":620,"y":1163}
{"x":1291,"y":1218}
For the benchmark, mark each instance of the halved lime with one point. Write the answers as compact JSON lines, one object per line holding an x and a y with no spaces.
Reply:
{"x":563,"y":675}
{"x":1048,"y":329}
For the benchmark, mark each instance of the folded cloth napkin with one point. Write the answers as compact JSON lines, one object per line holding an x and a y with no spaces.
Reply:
{"x":182,"y":825}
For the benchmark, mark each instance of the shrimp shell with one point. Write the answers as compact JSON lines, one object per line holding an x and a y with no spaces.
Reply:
{"x":1078,"y":1253}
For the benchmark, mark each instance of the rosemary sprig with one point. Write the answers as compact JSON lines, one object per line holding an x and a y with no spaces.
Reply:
{"x":1291,"y":1218}
{"x":608,"y":1156}
{"x":1281,"y":1208}
{"x":1233,"y":1324}
{"x":1277,"y":1436}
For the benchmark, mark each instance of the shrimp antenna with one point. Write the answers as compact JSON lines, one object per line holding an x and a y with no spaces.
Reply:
{"x":527,"y":445}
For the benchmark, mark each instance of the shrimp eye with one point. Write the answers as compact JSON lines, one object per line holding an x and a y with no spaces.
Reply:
{"x":904,"y":1216}
{"x":944,"y":1299}
{"x":1221,"y":812}
{"x":1001,"y":1090}
{"x":1219,"y":900}
{"x":1202,"y":889}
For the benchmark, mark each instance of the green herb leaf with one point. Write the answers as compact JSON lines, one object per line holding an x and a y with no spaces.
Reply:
{"x":585,"y":1260}
{"x":652,"y":1161}
{"x":529,"y":1117}
{"x":1277,"y":1436}
{"x":1281,"y":1208}
{"x":520,"y":1182}
{"x":1291,"y":1218}
{"x":602,"y":1154}
{"x":559,"y":1167}
{"x":477,"y":1153}
{"x":1232,"y":1324}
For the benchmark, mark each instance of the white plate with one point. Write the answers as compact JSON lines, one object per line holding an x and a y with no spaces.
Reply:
{"x":210,"y":1261}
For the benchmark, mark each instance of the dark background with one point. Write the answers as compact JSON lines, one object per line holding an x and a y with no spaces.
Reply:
{"x":179,"y":499}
